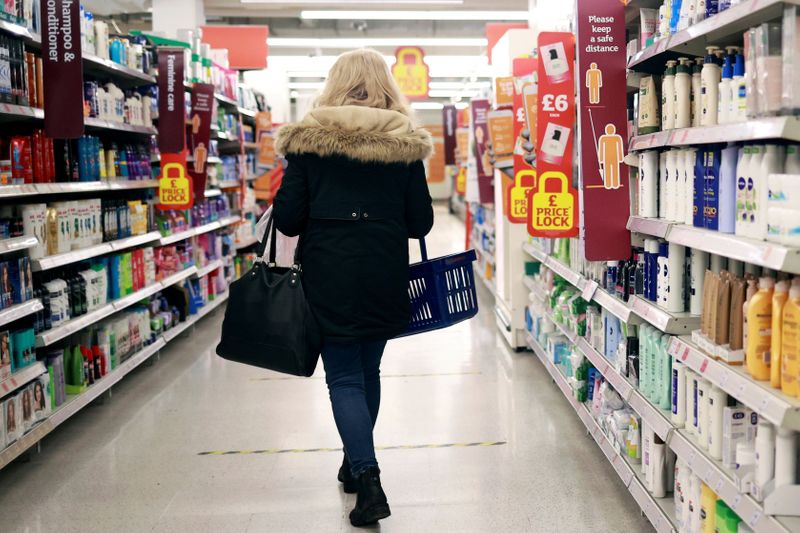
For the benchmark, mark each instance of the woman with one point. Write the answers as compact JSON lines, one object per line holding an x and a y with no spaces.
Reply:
{"x":355,"y":190}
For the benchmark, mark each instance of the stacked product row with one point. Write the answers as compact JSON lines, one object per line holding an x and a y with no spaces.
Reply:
{"x":22,"y":410}
{"x":129,"y":51}
{"x":748,"y":190}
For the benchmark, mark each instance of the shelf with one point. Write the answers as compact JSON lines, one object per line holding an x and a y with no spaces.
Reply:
{"x":13,"y":112}
{"x":230,"y":102}
{"x":20,"y":378}
{"x":178,"y":277}
{"x":17,"y":244}
{"x":16,"y":29}
{"x":656,"y":510}
{"x":97,"y":124}
{"x":246,"y":243}
{"x":766,"y":254}
{"x":247,"y":112}
{"x":208,"y":269}
{"x":76,"y":403}
{"x":717,"y":30}
{"x":18,"y":191}
{"x":787,"y":128}
{"x":15,"y":312}
{"x":780,"y":409}
{"x":672,"y":323}
{"x":175,"y":332}
{"x":183,"y":235}
{"x":229,"y":184}
{"x":124,"y":76}
{"x":210,"y":193}
{"x":617,"y":380}
{"x":75,"y":256}
{"x":213,"y":160}
{"x":612,"y":304}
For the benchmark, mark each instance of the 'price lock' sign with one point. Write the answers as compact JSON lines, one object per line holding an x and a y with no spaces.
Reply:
{"x":553,"y":211}
{"x":175,"y":184}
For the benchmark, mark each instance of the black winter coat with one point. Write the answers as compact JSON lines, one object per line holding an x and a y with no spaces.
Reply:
{"x":355,"y":189}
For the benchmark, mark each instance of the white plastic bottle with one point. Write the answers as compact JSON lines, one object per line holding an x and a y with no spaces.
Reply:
{"x":756,"y":155}
{"x":738,"y":91}
{"x":671,"y":183}
{"x":765,"y":453}
{"x":697,"y":97}
{"x":742,"y":174}
{"x":683,"y":92}
{"x":771,"y":163}
{"x":703,"y":391}
{"x":662,"y":185}
{"x":678,"y":393}
{"x":680,"y":186}
{"x":709,"y":87}
{"x":690,"y":156}
{"x":699,"y":11}
{"x":792,"y":164}
{"x":668,"y":97}
{"x":716,"y":403}
{"x":697,"y":272}
{"x":724,"y":92}
{"x":648,"y":184}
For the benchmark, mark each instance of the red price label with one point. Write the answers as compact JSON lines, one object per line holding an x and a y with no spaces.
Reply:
{"x":704,"y":366}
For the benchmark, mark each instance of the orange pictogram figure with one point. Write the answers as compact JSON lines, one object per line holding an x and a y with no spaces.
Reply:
{"x":594,"y":80}
{"x":610,"y":154}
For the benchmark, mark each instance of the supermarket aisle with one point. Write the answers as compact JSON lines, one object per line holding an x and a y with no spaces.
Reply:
{"x":136,"y":463}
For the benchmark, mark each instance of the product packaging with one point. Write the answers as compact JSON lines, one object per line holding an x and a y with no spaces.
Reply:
{"x":738,"y":426}
{"x":649,"y":120}
{"x":769,"y":68}
{"x":791,"y":60}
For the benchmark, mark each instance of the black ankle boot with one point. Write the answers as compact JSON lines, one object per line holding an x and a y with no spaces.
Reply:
{"x":371,"y":504}
{"x":346,"y":477}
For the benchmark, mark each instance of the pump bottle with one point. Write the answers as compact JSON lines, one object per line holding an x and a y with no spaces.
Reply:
{"x":668,"y":97}
{"x":683,"y":94}
{"x":771,"y":163}
{"x":709,"y":87}
{"x":724,"y":92}
{"x":697,"y":99}
{"x":759,"y":323}
{"x":779,"y":298}
{"x":790,"y":343}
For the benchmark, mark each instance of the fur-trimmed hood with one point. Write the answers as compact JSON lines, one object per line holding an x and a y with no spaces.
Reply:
{"x":364,"y":134}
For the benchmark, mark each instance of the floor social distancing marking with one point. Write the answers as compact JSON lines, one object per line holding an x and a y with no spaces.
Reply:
{"x":379,"y":448}
{"x":285,"y":378}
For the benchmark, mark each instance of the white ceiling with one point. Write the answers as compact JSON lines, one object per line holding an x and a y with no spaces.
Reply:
{"x":292,"y":8}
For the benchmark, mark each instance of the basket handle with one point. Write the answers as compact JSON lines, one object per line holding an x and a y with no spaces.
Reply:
{"x":423,"y":249}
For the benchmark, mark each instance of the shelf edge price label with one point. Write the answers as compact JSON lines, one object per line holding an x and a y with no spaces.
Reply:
{"x":174,"y":184}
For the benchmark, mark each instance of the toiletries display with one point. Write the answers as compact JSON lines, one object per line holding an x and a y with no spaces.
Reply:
{"x":16,"y":282}
{"x":109,"y":102}
{"x":22,"y":410}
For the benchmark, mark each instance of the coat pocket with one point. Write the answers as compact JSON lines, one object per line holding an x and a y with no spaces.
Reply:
{"x":366,"y":212}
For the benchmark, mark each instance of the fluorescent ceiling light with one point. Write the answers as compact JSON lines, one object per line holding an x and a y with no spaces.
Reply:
{"x":303,"y":42}
{"x":452,"y":94}
{"x":456,"y":85}
{"x":315,"y":85}
{"x":426,"y":105}
{"x":415,"y":15}
{"x":337,"y":2}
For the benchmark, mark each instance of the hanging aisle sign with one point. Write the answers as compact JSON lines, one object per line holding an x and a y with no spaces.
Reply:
{"x":524,"y":101}
{"x":174,"y":185}
{"x":62,"y":61}
{"x":171,"y":101}
{"x":479,"y":124}
{"x":553,"y":203}
{"x":602,"y":127}
{"x":450,"y":123}
{"x":411,"y":72}
{"x":200,"y":135}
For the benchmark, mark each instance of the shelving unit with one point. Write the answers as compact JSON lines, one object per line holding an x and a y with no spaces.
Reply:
{"x":20,"y":378}
{"x":75,"y":256}
{"x":786,"y":128}
{"x":18,"y":191}
{"x":246,"y":243}
{"x":17,"y":244}
{"x":15,"y":312}
{"x":208,"y":269}
{"x":766,"y":254}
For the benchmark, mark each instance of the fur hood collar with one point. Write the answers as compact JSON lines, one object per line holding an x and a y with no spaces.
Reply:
{"x":364,"y":134}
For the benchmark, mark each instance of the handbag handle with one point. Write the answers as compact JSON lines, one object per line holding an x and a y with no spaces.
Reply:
{"x":423,"y":248}
{"x":271,"y":238}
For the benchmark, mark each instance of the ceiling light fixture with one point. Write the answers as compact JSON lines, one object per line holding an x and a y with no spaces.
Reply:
{"x":339,"y":2}
{"x":304,"y":42}
{"x":415,"y":15}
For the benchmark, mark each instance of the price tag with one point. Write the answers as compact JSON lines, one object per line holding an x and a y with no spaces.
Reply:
{"x":762,"y":407}
{"x":690,"y":462}
{"x":718,"y":486}
{"x":589,"y":290}
{"x":755,"y":518}
{"x":736,"y":501}
{"x":724,"y":379}
{"x":704,"y":366}
{"x":685,"y":354}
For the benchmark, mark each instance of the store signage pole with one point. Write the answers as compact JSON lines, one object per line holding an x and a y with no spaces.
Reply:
{"x":200,"y":135}
{"x":62,"y":60}
{"x":602,"y":128}
{"x":553,"y":203}
{"x":524,"y":105}
{"x":483,"y":166}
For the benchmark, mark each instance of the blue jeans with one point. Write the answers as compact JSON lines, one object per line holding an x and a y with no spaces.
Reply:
{"x":352,"y":372}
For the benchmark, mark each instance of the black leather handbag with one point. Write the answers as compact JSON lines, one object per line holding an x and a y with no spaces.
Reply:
{"x":268,"y":322}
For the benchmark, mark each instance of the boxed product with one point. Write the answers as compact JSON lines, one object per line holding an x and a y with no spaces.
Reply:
{"x":34,"y":223}
{"x":5,"y":355}
{"x":6,"y":290}
{"x":23,"y":348}
{"x":12,"y":420}
{"x":738,"y":426}
{"x":21,"y":279}
{"x":26,"y":404}
{"x":41,"y":399}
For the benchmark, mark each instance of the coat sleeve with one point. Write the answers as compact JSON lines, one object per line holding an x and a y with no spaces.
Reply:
{"x":419,"y":206}
{"x":290,"y":208}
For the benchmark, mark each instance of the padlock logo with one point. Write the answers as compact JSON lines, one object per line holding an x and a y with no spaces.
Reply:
{"x":411,"y":72}
{"x":174,"y":186}
{"x":461,"y":181}
{"x":553,"y":211}
{"x":517,"y":199}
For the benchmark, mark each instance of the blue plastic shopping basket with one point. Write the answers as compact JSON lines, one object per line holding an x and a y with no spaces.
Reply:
{"x":442,"y":291}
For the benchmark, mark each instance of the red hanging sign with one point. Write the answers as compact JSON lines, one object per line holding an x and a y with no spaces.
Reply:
{"x":603,"y":122}
{"x":200,"y":135}
{"x":62,"y":62}
{"x":480,"y":130}
{"x":175,"y":189}
{"x":553,"y":203}
{"x":171,"y":101}
{"x":524,"y":101}
{"x":450,"y":119}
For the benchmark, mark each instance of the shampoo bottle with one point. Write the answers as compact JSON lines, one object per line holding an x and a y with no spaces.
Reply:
{"x":717,"y":400}
{"x":699,"y":265}
{"x":671,"y":183}
{"x":680,"y":186}
{"x":708,"y":509}
{"x":759,"y":325}
{"x":676,"y":259}
{"x":726,"y":210}
{"x":790,"y":343}
{"x":779,"y":298}
{"x":703,"y":429}
{"x":709,"y":87}
{"x":724,"y":102}
{"x":738,"y":91}
{"x":648,"y":184}
{"x":668,"y":97}
{"x":683,"y":91}
{"x":662,"y":185}
{"x":697,"y":99}
{"x":742,"y":226}
{"x":678,"y":394}
{"x":690,"y":157}
{"x":771,"y":163}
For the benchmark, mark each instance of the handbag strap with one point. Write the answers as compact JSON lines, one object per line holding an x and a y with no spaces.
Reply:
{"x":271,"y":239}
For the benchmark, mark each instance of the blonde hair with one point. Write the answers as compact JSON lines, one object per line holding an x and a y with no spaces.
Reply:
{"x":361,"y":77}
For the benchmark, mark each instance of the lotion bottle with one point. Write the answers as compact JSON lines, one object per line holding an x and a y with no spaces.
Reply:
{"x":662,"y":185}
{"x":759,"y":324}
{"x":648,"y":184}
{"x":678,"y":393}
{"x":771,"y":163}
{"x":790,"y":342}
{"x":765,"y":454}
{"x":683,"y":92}
{"x":690,"y":158}
{"x":697,"y":87}
{"x":717,"y":400}
{"x":671,"y":183}
{"x":727,"y":190}
{"x":724,"y":91}
{"x":779,"y":298}
{"x":742,"y":174}
{"x":680,"y":186}
{"x":709,"y":87}
{"x":668,"y":97}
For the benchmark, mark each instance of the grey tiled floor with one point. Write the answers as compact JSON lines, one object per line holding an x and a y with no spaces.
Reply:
{"x":132,"y":463}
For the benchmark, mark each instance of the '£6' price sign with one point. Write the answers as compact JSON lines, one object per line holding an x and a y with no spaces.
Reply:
{"x":555,"y":103}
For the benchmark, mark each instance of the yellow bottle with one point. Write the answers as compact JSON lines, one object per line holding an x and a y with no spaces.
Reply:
{"x":708,"y":509}
{"x":759,"y":326}
{"x":778,"y":300}
{"x":790,"y":343}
